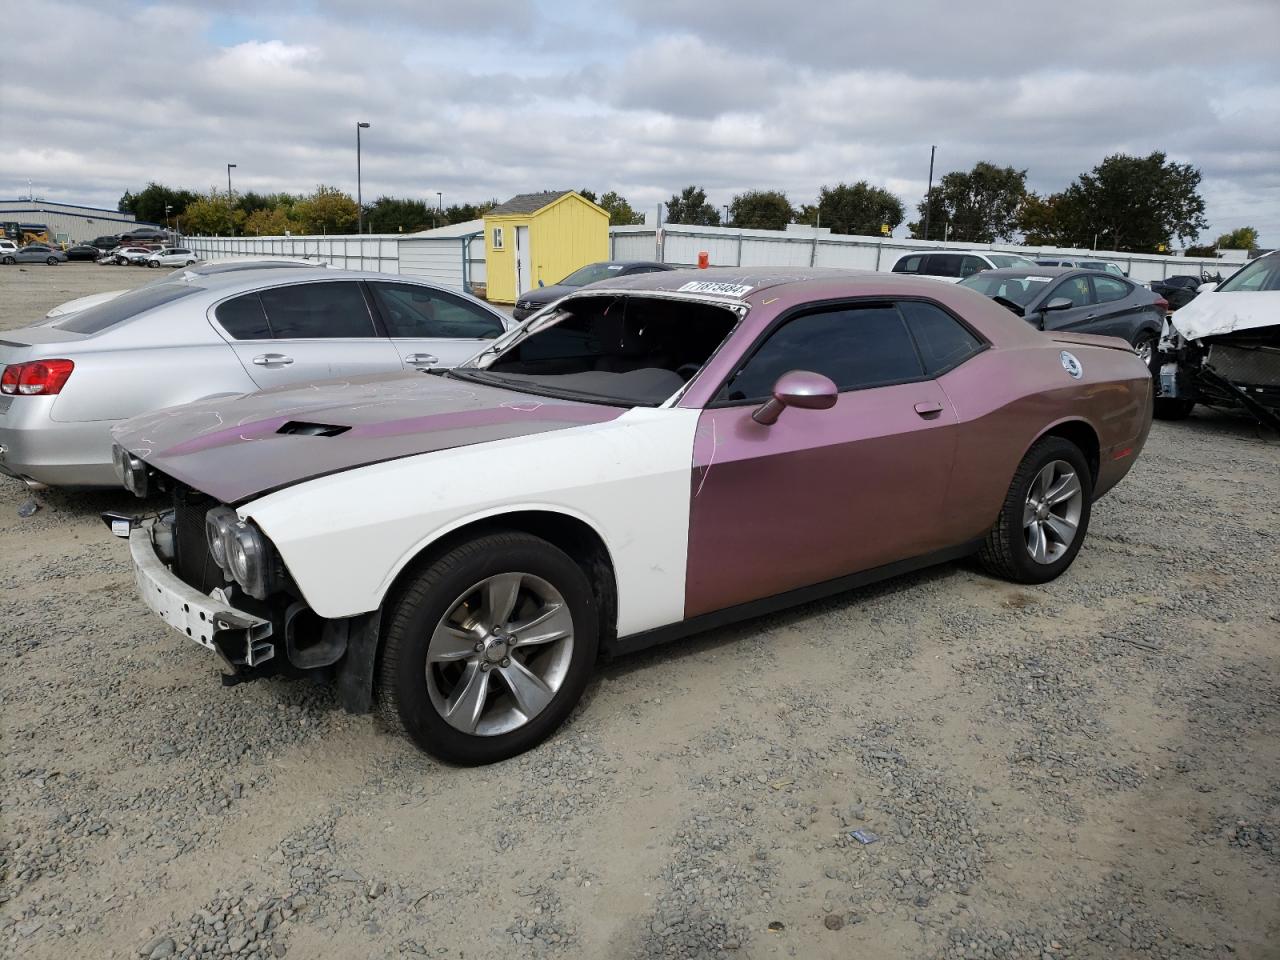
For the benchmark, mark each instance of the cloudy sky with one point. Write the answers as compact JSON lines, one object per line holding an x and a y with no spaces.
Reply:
{"x":487,"y":98}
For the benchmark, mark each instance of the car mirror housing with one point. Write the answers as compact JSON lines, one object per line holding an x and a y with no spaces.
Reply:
{"x":1058,"y":303}
{"x":798,"y":388}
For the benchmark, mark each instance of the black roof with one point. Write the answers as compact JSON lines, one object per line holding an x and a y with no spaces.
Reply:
{"x":529,"y":202}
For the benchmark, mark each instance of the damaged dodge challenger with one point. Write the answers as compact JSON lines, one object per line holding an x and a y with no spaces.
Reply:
{"x":638,"y":462}
{"x":1223,"y":348}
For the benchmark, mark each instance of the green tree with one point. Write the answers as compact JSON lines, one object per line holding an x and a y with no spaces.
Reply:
{"x":620,"y":212}
{"x":589,"y":194}
{"x":1133,"y":204}
{"x":1043,"y":221}
{"x":761,"y":210}
{"x":212,"y":216}
{"x":148,"y":204}
{"x":981,"y":206}
{"x":268,"y":222}
{"x":690,"y":206}
{"x":391,"y":215}
{"x":327,"y":210}
{"x":1241,"y":238}
{"x":854,"y":208}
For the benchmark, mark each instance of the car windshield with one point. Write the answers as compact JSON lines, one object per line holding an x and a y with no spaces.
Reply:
{"x":1261,"y":275}
{"x":124,"y":307}
{"x":591,"y":273}
{"x":624,"y":350}
{"x":1009,"y":260}
{"x":1021,"y":290}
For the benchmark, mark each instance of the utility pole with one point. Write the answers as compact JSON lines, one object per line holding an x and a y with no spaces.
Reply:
{"x":230,"y":195}
{"x":360,"y":125}
{"x":439,"y":205}
{"x":928,"y":197}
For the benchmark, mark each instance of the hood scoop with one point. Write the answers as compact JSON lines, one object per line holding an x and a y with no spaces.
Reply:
{"x":302,"y":428}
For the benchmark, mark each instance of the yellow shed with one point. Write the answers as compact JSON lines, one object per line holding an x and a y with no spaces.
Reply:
{"x":541,"y":237}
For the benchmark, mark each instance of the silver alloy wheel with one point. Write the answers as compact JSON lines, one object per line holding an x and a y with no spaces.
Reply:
{"x":1145,"y":348}
{"x":1051,"y":515}
{"x":513,"y":626}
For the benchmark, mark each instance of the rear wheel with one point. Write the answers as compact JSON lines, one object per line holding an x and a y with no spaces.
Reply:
{"x":1045,"y":515}
{"x":489,"y":648}
{"x":51,"y":261}
{"x":1145,"y":347}
{"x":8,"y":261}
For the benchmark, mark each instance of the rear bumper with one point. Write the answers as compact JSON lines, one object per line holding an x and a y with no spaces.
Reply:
{"x":40,"y":450}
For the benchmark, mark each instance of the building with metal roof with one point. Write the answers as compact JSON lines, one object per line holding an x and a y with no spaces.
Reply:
{"x":67,"y":222}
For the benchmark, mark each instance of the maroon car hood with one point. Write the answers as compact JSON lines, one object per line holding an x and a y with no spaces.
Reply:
{"x":236,"y":448}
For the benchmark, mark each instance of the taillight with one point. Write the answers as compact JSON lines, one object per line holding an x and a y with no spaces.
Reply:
{"x":1163,"y":304}
{"x":37,"y":378}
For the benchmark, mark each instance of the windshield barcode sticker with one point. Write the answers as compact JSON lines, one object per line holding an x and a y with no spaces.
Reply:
{"x":711,"y":286}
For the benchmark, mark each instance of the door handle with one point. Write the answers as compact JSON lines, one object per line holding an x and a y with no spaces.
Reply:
{"x":272,"y":360}
{"x":422,"y":358}
{"x":929,"y":409}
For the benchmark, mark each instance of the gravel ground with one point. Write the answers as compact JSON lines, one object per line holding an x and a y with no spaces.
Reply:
{"x":1085,"y":769}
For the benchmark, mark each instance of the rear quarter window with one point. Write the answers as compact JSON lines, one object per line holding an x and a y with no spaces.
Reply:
{"x":908,"y":264}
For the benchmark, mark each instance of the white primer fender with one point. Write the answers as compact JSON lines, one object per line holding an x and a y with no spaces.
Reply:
{"x":346,"y":537}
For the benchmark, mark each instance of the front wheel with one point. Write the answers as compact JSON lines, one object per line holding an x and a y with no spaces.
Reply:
{"x":1045,"y":515}
{"x":152,"y":263}
{"x":51,"y":261}
{"x":489,"y":648}
{"x":9,"y":261}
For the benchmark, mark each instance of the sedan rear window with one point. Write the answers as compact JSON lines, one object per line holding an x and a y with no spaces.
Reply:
{"x":127,"y":306}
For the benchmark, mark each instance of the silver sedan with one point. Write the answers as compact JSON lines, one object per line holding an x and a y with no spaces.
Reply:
{"x":66,"y":382}
{"x":35,"y":253}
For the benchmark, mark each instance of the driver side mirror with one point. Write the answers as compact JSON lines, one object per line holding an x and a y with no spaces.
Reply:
{"x":1207,"y":287}
{"x":799,"y":388}
{"x":1057,"y":303}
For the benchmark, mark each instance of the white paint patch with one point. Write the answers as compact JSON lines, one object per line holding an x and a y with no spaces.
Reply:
{"x":713,"y":287}
{"x":346,"y":536}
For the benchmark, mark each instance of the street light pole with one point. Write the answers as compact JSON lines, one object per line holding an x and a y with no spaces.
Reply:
{"x":439,"y":204}
{"x":928,"y":197}
{"x":360,"y":125}
{"x":230,"y":195}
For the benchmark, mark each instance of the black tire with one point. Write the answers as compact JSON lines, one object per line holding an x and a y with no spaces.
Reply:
{"x":152,"y":263}
{"x":1148,"y":339}
{"x":8,"y":261}
{"x":1005,"y":552}
{"x":412,"y":616}
{"x":51,"y":261}
{"x":1172,"y":408}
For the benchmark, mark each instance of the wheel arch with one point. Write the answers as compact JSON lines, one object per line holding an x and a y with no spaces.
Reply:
{"x":1083,"y":435}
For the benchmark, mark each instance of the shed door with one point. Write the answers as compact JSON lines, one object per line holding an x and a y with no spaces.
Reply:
{"x":523,"y":281}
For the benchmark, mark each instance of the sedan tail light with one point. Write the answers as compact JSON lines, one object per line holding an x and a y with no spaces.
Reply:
{"x":36,"y":378}
{"x":1163,"y":304}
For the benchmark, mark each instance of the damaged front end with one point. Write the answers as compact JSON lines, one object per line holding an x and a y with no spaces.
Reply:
{"x":184,"y":576}
{"x":1240,"y":370}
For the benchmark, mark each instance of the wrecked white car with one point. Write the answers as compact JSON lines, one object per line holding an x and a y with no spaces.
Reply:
{"x":1223,"y":348}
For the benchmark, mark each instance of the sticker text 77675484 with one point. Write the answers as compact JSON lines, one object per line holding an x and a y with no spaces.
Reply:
{"x":712,"y":286}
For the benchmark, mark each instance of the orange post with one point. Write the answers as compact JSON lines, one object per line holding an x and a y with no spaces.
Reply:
{"x":704,"y":260}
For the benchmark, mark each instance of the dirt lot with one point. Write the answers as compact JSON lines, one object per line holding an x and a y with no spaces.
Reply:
{"x":1085,"y":769}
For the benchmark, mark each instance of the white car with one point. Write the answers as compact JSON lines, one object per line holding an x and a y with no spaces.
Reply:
{"x":172,"y":257}
{"x":7,"y":246}
{"x":955,"y":265}
{"x":130,"y":256}
{"x":206,"y":269}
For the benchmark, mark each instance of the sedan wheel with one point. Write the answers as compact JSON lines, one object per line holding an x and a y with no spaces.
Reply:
{"x":9,"y":261}
{"x":51,"y":261}
{"x":1045,"y":515}
{"x":152,"y":263}
{"x":488,"y":648}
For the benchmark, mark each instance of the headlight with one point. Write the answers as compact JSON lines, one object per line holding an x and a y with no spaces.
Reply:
{"x":217,"y":523}
{"x":240,"y":550}
{"x":131,"y":471}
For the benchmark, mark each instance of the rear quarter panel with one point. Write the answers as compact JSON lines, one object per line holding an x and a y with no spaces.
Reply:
{"x":1006,"y":399}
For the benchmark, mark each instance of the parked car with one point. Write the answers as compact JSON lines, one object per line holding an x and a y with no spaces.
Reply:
{"x":954,"y":265}
{"x":1103,"y":266}
{"x":657,"y":455}
{"x":205,"y":268}
{"x":34,"y":253}
{"x":155,"y":235}
{"x":1179,"y":289}
{"x":532,"y":301}
{"x":83,"y":251}
{"x":130,"y":256}
{"x":105,"y":243}
{"x":1223,"y":348}
{"x":1084,"y":301}
{"x":172,"y":257}
{"x":7,"y":246}
{"x":68,"y":381}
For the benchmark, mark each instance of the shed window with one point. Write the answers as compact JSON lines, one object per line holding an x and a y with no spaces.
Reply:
{"x":497,"y":238}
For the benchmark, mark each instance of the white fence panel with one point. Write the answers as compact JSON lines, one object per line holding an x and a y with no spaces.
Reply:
{"x":379,"y":253}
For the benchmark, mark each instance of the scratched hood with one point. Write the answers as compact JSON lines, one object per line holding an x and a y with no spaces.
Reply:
{"x":1213,"y":314}
{"x":237,"y":448}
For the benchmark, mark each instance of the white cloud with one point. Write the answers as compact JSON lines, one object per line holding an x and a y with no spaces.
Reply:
{"x":496,"y":97}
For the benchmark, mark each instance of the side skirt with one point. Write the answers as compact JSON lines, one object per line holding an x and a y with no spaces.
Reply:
{"x":781,"y":601}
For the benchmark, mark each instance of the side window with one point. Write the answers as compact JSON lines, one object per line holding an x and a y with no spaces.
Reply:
{"x":1105,"y":289}
{"x":856,"y":347}
{"x":943,"y":340}
{"x":971,"y":265}
{"x":496,"y":243}
{"x":1076,"y":290}
{"x":410,"y":310}
{"x":942,"y":265}
{"x":243,"y":318}
{"x":908,"y":265}
{"x":312,"y":311}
